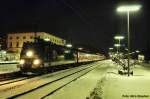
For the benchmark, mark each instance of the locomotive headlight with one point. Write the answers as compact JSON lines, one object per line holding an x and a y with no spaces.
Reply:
{"x":22,"y":61}
{"x":36,"y":62}
{"x":29,"y":53}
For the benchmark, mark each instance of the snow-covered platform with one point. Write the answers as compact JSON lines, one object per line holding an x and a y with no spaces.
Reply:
{"x":115,"y":86}
{"x":123,"y":87}
{"x":7,"y":68}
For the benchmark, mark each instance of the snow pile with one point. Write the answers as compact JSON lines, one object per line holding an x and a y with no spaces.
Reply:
{"x":98,"y":91}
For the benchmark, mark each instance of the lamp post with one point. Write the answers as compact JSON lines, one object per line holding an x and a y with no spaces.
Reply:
{"x":111,"y":51}
{"x":128,"y":9}
{"x":69,"y":45}
{"x":137,"y":51}
{"x":111,"y":48}
{"x":119,"y":38}
{"x":117,"y":46}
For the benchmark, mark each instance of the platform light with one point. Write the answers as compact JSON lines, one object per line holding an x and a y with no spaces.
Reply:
{"x":69,"y":45}
{"x":119,"y":37}
{"x":111,"y":48}
{"x":137,"y":51}
{"x":67,"y":51}
{"x":117,"y":45}
{"x":128,"y":8}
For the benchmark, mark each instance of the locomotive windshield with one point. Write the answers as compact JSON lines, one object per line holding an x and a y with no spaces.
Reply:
{"x":34,"y":47}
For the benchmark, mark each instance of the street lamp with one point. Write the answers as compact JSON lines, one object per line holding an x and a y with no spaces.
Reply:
{"x":111,"y":51}
{"x":137,"y":51}
{"x":111,"y":48}
{"x":128,"y":9}
{"x":119,"y":37}
{"x":69,"y":45}
{"x":117,"y":46}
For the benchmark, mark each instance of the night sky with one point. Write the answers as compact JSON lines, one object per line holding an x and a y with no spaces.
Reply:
{"x":85,"y":22}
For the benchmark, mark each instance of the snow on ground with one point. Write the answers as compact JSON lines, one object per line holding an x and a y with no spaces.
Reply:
{"x":105,"y":83}
{"x":81,"y":88}
{"x":26,"y":85}
{"x":114,"y":86}
{"x":118,"y":87}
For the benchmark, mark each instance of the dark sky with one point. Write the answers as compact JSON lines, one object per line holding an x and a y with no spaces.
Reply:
{"x":86,"y":22}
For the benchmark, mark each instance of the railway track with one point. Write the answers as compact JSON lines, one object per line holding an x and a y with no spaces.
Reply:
{"x":13,"y":77}
{"x":17,"y":74}
{"x":74,"y":76}
{"x":6,"y":82}
{"x":9,"y":76}
{"x":79,"y":72}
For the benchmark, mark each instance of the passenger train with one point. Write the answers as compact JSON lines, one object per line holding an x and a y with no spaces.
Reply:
{"x":42,"y":56}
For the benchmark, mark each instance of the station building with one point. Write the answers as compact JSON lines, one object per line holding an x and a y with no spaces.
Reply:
{"x":15,"y":40}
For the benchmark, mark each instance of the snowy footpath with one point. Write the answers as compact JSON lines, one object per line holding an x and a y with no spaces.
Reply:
{"x":115,"y":86}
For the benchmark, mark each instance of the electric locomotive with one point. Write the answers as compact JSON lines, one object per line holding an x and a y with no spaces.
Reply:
{"x":37,"y":56}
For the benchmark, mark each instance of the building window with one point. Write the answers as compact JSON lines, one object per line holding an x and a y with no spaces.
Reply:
{"x":31,"y":37}
{"x":17,"y":44}
{"x":24,"y":37}
{"x":10,"y":44}
{"x":17,"y":37}
{"x":10,"y":37}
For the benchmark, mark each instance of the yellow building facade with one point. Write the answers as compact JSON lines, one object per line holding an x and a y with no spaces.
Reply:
{"x":15,"y":40}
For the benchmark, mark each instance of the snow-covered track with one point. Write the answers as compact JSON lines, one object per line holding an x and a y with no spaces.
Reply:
{"x":71,"y":76}
{"x":9,"y":76}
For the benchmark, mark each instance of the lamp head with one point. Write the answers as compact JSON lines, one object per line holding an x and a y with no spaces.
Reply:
{"x":128,"y":8}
